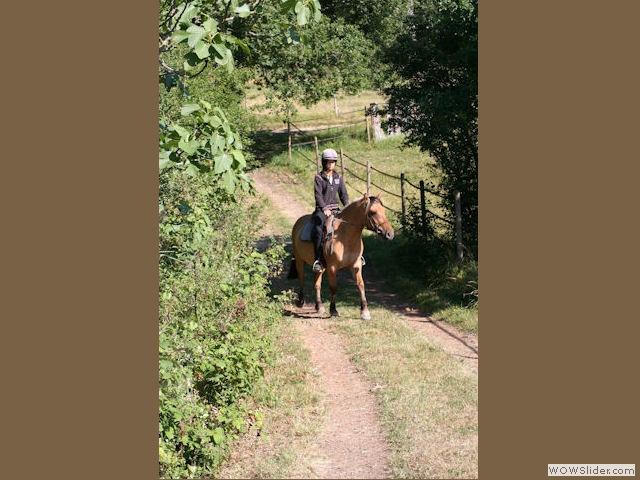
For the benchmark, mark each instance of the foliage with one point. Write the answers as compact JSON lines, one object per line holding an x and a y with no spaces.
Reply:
{"x":193,"y":36}
{"x":215,"y":319}
{"x":214,"y":313}
{"x":436,"y":101}
{"x":325,"y":58}
{"x":380,"y":20}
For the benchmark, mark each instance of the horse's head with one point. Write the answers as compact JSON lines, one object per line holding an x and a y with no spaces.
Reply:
{"x":377,"y":219}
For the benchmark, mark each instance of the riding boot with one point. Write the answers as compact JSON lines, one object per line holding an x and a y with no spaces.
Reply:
{"x":319,"y":261}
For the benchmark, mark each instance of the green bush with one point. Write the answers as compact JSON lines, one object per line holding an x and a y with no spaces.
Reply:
{"x":215,"y":320}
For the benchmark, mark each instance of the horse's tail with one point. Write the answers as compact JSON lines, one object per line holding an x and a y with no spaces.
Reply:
{"x":293,"y":271}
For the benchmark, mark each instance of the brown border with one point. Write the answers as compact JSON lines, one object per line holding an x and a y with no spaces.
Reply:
{"x":558,"y":91}
{"x":79,"y":191}
{"x":558,"y":121}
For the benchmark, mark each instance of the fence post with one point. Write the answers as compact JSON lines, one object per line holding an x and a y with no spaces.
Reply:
{"x":289,"y":135}
{"x":375,"y":121}
{"x":315,"y":140}
{"x":458,"y":226}
{"x":404,"y":208}
{"x":366,"y":120}
{"x":335,"y":105}
{"x":423,"y":208}
{"x":342,"y":165}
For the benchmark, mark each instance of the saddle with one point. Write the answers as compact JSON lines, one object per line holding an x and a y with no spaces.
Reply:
{"x":327,"y":229}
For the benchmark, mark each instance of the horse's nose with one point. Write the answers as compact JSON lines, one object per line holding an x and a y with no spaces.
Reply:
{"x":389,"y":235}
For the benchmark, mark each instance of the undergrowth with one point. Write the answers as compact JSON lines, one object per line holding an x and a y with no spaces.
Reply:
{"x":215,"y":323}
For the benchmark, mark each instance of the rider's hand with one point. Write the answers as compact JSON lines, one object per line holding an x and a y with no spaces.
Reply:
{"x":327,"y":212}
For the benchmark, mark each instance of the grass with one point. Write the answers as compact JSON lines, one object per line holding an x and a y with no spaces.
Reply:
{"x":350,"y":108}
{"x":289,"y":400}
{"x":428,"y":403}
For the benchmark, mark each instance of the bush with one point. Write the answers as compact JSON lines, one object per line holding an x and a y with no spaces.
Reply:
{"x":215,"y":321}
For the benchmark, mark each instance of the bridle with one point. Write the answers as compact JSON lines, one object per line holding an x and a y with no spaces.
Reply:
{"x":372,"y":225}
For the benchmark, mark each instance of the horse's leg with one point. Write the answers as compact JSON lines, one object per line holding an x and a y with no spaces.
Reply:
{"x":333,"y":286}
{"x":356,"y":271}
{"x":318,"y":286}
{"x":300,"y":268}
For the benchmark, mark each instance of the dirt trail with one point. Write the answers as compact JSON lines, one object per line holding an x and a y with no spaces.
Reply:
{"x":352,"y":444}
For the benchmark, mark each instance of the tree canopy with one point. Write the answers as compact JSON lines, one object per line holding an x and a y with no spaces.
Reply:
{"x":435,"y":99}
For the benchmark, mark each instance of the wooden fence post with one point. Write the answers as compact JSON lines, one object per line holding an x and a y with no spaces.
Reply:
{"x":335,"y":105}
{"x":423,"y":208}
{"x":315,"y":140}
{"x":404,"y":207}
{"x":368,"y":178}
{"x":375,"y":121}
{"x":458,"y":227}
{"x":366,"y":120}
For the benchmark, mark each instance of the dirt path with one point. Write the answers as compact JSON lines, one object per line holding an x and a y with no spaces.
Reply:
{"x":352,"y":444}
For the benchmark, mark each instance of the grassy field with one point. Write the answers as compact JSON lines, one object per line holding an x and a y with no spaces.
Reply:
{"x":350,"y":109}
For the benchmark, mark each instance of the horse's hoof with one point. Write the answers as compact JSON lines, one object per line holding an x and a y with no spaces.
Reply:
{"x":320,"y":309}
{"x":335,"y":313}
{"x":365,"y":316}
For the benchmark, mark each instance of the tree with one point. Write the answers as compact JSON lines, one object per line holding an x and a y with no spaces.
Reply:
{"x":435,"y":98}
{"x":329,"y":57}
{"x":195,"y":36}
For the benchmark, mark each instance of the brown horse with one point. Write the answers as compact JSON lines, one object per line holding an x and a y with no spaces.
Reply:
{"x":342,"y":249}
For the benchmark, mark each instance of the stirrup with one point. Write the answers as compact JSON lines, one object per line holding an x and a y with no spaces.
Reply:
{"x":317,"y":266}
{"x":362,"y":261}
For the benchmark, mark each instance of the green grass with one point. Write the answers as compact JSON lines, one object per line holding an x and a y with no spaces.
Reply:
{"x":288,"y":399}
{"x":428,"y":403}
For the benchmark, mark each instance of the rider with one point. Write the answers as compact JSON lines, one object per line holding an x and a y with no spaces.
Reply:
{"x":328,"y":186}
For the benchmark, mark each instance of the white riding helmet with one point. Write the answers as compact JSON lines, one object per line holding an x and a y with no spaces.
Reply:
{"x":329,"y":155}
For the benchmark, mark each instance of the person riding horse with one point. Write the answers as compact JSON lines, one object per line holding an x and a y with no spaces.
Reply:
{"x":328,"y":186}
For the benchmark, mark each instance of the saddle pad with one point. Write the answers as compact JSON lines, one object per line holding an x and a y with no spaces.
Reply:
{"x":305,"y":234}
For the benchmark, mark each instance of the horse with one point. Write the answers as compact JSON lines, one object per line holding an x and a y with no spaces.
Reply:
{"x":342,"y":249}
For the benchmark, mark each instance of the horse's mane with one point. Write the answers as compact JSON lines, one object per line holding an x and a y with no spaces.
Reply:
{"x":356,"y":204}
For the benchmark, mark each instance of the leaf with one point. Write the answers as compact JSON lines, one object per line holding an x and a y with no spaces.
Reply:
{"x":165,"y":163}
{"x":243,"y":11}
{"x":196,"y":33}
{"x":229,"y":181}
{"x":218,"y":436}
{"x":288,"y":5}
{"x":210,"y":26}
{"x":202,"y":50}
{"x":189,"y":147}
{"x":239,"y":157}
{"x":179,"y":36}
{"x":189,"y":108}
{"x":223,"y":163}
{"x":218,"y":143}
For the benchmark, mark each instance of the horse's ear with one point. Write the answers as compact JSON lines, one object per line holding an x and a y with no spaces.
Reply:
{"x":379,"y":197}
